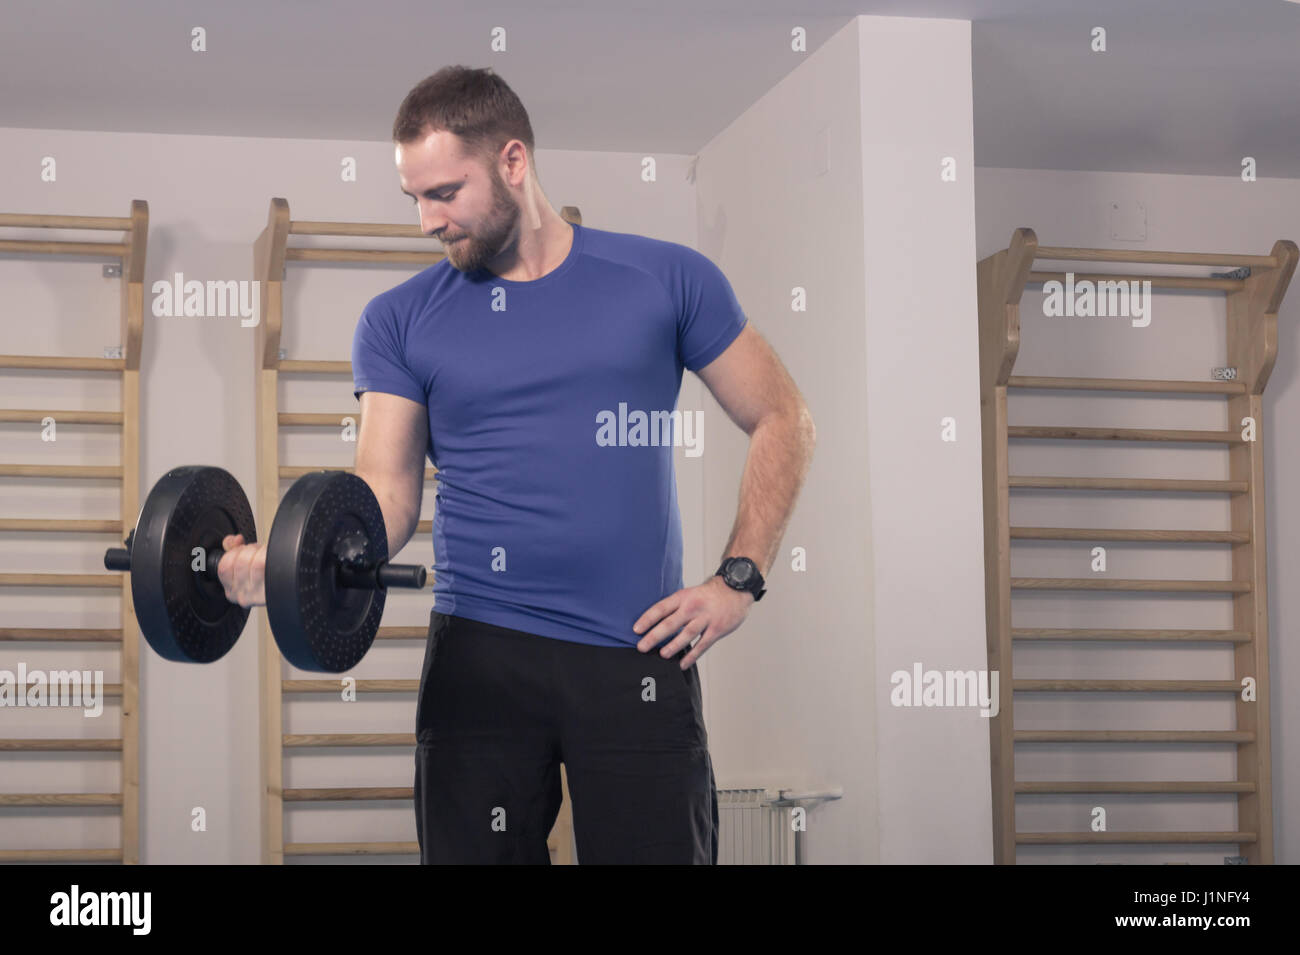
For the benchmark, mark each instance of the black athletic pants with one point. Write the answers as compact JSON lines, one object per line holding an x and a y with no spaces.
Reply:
{"x":500,"y":709}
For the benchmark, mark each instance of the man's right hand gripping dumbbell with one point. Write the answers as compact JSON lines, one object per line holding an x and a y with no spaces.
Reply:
{"x":242,"y":571}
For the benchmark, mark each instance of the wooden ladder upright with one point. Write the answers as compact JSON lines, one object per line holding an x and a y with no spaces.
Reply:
{"x":1252,"y":302}
{"x":130,"y":252}
{"x":270,"y":254}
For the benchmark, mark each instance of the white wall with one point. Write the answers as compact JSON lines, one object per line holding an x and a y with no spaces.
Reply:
{"x":208,"y":199}
{"x":830,"y":183}
{"x":792,"y":690}
{"x":921,"y":370}
{"x":1184,"y":340}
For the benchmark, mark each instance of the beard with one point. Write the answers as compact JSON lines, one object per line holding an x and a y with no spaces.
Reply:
{"x":471,"y":251}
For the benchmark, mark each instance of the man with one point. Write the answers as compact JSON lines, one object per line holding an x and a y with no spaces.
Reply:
{"x":534,"y":367}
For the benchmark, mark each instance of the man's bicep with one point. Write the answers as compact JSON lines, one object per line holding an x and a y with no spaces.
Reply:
{"x":393,"y":441}
{"x":749,"y":381}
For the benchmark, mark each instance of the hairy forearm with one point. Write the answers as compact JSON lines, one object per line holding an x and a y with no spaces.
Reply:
{"x":780,"y":451}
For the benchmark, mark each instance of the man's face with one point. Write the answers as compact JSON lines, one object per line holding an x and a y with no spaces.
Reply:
{"x":461,"y":201}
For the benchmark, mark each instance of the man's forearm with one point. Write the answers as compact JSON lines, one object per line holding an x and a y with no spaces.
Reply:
{"x":399,"y":520}
{"x":780,"y":451}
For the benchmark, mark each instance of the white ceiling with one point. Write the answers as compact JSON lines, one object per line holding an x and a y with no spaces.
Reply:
{"x":1187,"y":86}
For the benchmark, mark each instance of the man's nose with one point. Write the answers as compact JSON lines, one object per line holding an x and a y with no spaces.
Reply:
{"x":430,"y":223}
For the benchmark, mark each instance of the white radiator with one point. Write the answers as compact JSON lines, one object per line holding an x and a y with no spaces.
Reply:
{"x":753,"y":831}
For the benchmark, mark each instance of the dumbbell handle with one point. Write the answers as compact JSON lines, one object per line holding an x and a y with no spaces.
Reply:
{"x":385,"y":575}
{"x":410,"y":576}
{"x":119,"y":558}
{"x":353,"y":570}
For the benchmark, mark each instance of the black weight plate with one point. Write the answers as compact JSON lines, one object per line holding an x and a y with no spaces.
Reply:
{"x":183,"y":614}
{"x":319,"y":625}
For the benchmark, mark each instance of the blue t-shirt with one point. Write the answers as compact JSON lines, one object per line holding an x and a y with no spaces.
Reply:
{"x":556,"y":506}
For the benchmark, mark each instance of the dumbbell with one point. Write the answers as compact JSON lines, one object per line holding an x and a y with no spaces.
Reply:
{"x":327,"y":569}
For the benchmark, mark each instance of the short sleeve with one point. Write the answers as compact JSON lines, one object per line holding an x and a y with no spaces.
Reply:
{"x":710,"y":317}
{"x":378,"y":360}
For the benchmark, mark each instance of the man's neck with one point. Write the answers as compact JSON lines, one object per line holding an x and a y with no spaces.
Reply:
{"x":540,"y":252}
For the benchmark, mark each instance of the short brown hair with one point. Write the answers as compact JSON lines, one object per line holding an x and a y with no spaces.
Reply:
{"x":474,"y":104}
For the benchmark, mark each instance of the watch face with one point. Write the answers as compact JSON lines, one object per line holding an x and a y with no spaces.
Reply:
{"x":740,"y":570}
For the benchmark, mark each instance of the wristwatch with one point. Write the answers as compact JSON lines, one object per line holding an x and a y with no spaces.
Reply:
{"x":741,"y":573}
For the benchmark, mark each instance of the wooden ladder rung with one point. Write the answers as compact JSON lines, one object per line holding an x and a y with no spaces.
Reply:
{"x":1071,"y":633}
{"x":380,"y":256}
{"x":60,"y":855}
{"x":296,"y":419}
{"x":1133,"y":736}
{"x":16,"y":415}
{"x":1131,"y":534}
{"x":402,"y":633}
{"x":349,"y":793}
{"x":60,"y":799}
{"x":1128,"y":384}
{"x":1134,"y":838}
{"x":351,"y":848}
{"x":1039,"y":788}
{"x":110,"y":690}
{"x":363,"y":686}
{"x":1077,"y":254}
{"x":306,"y":366}
{"x":113,"y":471}
{"x":60,"y":745}
{"x":40,"y":220}
{"x":1127,"y":686}
{"x":1103,"y":583}
{"x":384,"y":229}
{"x":1127,"y":484}
{"x":1057,"y":432}
{"x":109,"y":250}
{"x":63,"y":362}
{"x":66,"y":524}
{"x":61,"y":580}
{"x":347,"y":739}
{"x":1156,"y":280}
{"x":61,"y":634}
